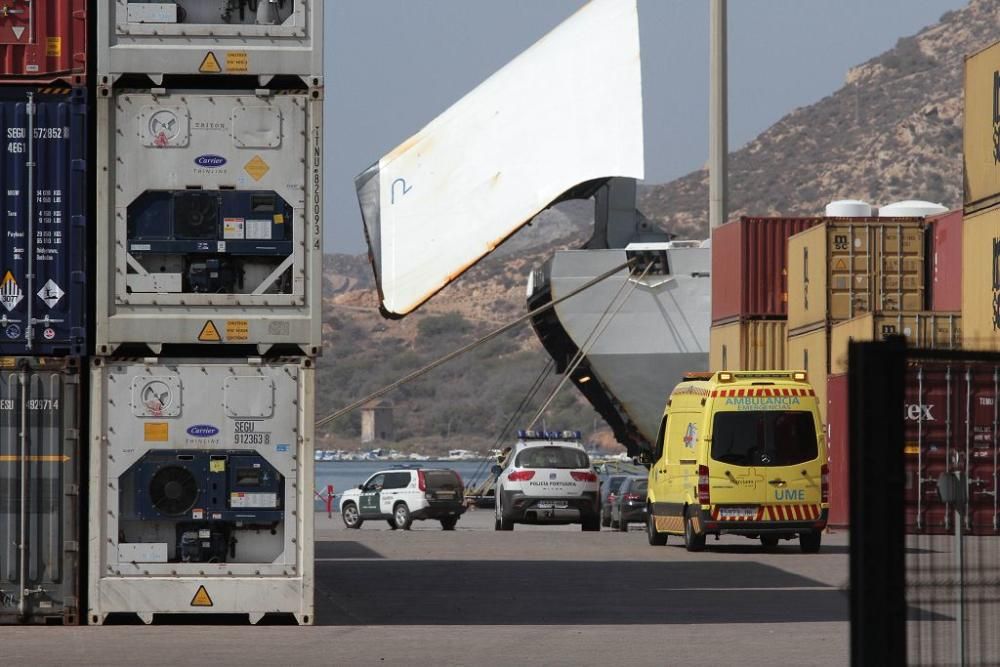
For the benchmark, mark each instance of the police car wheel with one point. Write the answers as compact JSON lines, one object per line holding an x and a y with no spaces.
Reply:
{"x":502,"y":523}
{"x":351,"y":516}
{"x":401,"y":515}
{"x":655,"y":538}
{"x":810,"y":541}
{"x":692,"y":541}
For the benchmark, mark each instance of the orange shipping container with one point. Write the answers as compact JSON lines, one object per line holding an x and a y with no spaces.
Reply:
{"x":810,"y":352}
{"x":981,"y":281}
{"x":981,"y":144}
{"x":925,"y":329}
{"x":848,"y":267}
{"x":750,"y":345}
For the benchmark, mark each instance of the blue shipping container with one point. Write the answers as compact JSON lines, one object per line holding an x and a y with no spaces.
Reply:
{"x":43,"y":244}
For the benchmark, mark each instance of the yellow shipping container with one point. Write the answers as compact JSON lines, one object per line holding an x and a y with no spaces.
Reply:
{"x":847,"y":267}
{"x":981,"y":281}
{"x":748,"y":345}
{"x":925,"y":329}
{"x":981,"y":144}
{"x":810,"y":351}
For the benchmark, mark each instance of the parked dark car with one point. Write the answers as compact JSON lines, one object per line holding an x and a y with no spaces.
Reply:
{"x":630,"y":503}
{"x":608,"y":490}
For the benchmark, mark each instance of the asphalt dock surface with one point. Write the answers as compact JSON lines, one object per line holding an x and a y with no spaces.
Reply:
{"x":536,"y":596}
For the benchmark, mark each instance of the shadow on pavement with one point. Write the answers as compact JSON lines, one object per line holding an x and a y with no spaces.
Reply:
{"x":568,"y":592}
{"x":344,"y":549}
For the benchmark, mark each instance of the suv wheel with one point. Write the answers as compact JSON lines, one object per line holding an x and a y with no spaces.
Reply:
{"x":392,"y":523}
{"x":401,"y":516}
{"x":656,"y":539}
{"x":622,"y":523}
{"x":352,"y":518}
{"x":605,"y":519}
{"x":692,"y":541}
{"x":809,"y":542}
{"x":448,"y":523}
{"x":591,"y":523}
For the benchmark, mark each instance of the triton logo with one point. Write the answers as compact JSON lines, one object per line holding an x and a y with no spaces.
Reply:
{"x":202,"y":431}
{"x":922,"y":412}
{"x":210,"y":161}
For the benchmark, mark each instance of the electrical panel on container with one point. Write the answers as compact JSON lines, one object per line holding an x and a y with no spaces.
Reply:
{"x":203,"y":477}
{"x":43,"y":288}
{"x":214,"y":206}
{"x":43,"y":41}
{"x":263,"y":38}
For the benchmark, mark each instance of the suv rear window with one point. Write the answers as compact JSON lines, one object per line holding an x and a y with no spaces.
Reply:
{"x":442,"y":479}
{"x":614,"y":484}
{"x":552,"y":457}
{"x":764,"y":438}
{"x":638,"y":486}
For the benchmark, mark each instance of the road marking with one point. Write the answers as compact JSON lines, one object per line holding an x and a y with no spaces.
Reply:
{"x":753,"y":588}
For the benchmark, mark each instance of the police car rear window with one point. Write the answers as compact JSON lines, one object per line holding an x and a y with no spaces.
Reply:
{"x":766,"y":438}
{"x":441,"y":479}
{"x":552,"y":457}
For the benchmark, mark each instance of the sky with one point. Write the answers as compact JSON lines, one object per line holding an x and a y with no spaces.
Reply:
{"x":393,"y":65}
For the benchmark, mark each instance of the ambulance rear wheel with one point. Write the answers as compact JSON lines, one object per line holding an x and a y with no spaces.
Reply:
{"x":809,"y":542}
{"x":769,"y":541}
{"x":692,"y":541}
{"x":655,"y":538}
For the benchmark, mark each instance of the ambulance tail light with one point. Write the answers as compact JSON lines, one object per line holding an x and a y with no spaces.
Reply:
{"x":704,"y":497}
{"x":421,"y":480}
{"x":521,"y":475}
{"x":583,"y":476}
{"x":825,"y":483}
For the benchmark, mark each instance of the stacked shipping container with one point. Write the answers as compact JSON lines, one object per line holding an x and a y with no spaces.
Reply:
{"x":209,"y":237}
{"x":750,"y":292}
{"x":44,"y":304}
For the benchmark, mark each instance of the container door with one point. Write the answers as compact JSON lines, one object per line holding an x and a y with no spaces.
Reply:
{"x":38,"y":496}
{"x":980,"y":436}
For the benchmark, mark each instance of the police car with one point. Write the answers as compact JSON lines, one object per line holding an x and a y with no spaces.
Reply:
{"x":547,"y":479}
{"x":400,"y":496}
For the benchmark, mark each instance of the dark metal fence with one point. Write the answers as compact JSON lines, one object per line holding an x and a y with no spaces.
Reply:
{"x":925,"y":538}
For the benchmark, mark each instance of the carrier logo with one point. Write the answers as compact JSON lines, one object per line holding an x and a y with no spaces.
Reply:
{"x":210,"y":161}
{"x":202,"y":431}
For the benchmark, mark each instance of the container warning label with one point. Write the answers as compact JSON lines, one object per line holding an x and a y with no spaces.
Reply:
{"x":209,"y":334}
{"x":257,"y":168}
{"x":237,"y":61}
{"x":156,"y":432}
{"x":233,"y":228}
{"x":210,"y":65}
{"x":217,"y":465}
{"x":253,"y":500}
{"x":237,"y":330}
{"x":50,"y":293}
{"x":53,"y":47}
{"x":202,"y":598}
{"x":10,"y":292}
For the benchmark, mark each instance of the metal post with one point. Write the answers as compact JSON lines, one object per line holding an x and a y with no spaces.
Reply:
{"x":960,"y":558}
{"x":718,"y":138}
{"x":29,"y":328}
{"x":22,"y":547}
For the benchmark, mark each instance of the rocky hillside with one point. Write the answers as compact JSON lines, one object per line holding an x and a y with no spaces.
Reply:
{"x":892,"y":131}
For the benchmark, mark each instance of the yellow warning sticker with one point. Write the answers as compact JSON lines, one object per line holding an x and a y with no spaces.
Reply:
{"x":8,"y":362}
{"x":257,"y":168}
{"x":217,"y":465}
{"x":156,"y":432}
{"x":202,"y":598}
{"x":237,"y":330}
{"x":53,"y":47}
{"x":279,"y":218}
{"x":840,"y":265}
{"x":237,"y":61}
{"x":209,"y":334}
{"x":210,"y":65}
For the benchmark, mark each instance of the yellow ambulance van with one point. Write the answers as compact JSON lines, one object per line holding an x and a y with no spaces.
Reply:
{"x":740,"y":453}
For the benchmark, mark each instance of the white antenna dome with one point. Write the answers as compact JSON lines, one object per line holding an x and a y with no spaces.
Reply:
{"x":911,"y":208}
{"x":848,"y":208}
